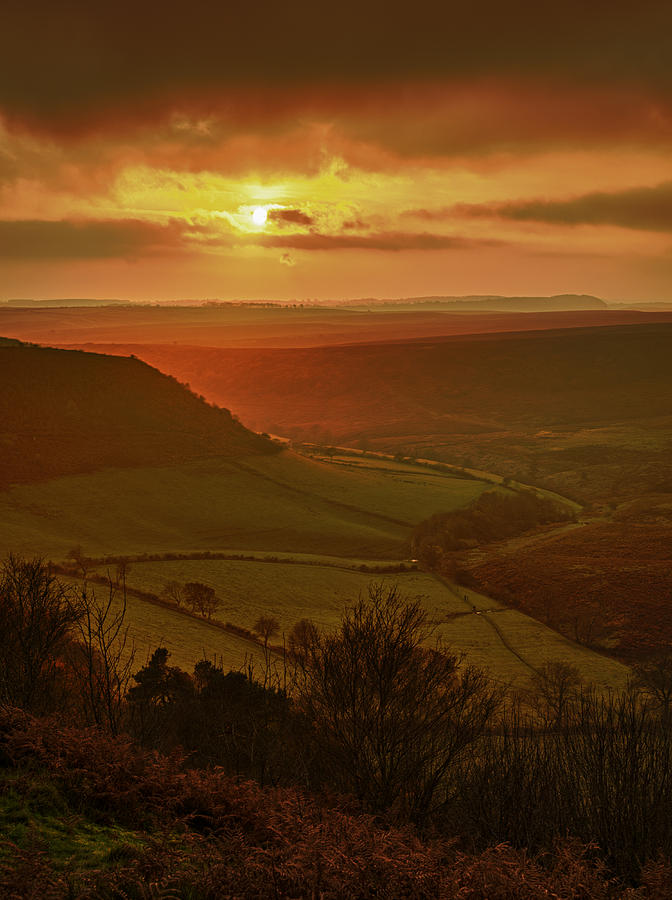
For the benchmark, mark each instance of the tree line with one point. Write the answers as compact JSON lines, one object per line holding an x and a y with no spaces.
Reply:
{"x":493,"y":516}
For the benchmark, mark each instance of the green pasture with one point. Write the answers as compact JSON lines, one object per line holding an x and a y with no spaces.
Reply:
{"x":285,"y":503}
{"x":405,"y":492}
{"x":287,"y":591}
{"x":329,"y":515}
{"x":513,"y":645}
{"x":188,"y":638}
{"x":247,"y":589}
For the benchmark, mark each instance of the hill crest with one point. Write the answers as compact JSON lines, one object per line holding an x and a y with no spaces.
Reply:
{"x":69,"y":411}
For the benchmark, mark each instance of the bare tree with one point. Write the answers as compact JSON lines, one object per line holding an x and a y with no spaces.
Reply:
{"x":555,"y":686}
{"x":121,"y":570}
{"x":37,"y":615}
{"x":653,"y":679}
{"x":174,"y":592}
{"x":80,"y":560}
{"x":266,"y":627}
{"x":104,"y":659}
{"x":392,"y":715}
{"x":201,"y":598}
{"x":303,"y":634}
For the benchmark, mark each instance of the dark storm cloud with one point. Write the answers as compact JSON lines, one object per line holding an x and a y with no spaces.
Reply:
{"x":68,"y":60}
{"x":293,"y":216}
{"x":643,"y":208}
{"x":29,"y":239}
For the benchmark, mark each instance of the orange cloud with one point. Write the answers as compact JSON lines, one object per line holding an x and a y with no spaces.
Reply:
{"x":129,"y":133}
{"x":78,"y":59}
{"x":291,"y":216}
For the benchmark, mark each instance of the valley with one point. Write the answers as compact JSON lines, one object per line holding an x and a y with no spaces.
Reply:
{"x":311,"y":527}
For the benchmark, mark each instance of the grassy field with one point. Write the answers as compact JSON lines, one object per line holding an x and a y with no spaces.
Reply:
{"x":329,"y":515}
{"x":33,"y":811}
{"x":507,"y":642}
{"x":283,"y":503}
{"x":186,"y":637}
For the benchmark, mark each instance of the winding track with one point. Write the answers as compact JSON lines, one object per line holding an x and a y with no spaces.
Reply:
{"x":486,"y":618}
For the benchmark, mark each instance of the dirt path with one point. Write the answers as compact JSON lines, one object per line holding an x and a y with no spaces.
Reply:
{"x":458,"y":592}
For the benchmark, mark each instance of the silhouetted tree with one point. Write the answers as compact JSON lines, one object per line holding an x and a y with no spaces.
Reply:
{"x":174,"y":592}
{"x":391,"y":715}
{"x":104,"y":659}
{"x":266,"y":627}
{"x":153,"y":698}
{"x":37,"y":616}
{"x":554,"y":688}
{"x":303,"y":634}
{"x":201,"y":598}
{"x":653,"y":679}
{"x":79,"y":559}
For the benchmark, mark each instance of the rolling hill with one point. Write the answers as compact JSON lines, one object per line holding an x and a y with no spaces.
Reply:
{"x":429,"y":390}
{"x":111,"y":455}
{"x":66,"y":412}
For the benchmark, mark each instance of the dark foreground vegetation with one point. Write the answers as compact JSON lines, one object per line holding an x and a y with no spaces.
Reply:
{"x":364,"y":763}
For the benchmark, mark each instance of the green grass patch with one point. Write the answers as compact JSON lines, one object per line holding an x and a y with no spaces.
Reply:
{"x":248,"y":589}
{"x":290,"y":592}
{"x":34,"y":815}
{"x":187,"y":638}
{"x":512,"y":645}
{"x":285,"y":503}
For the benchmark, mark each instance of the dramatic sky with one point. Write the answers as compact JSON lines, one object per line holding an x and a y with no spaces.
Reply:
{"x":395,"y":149}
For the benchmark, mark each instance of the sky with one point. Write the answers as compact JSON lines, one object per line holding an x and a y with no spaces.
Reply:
{"x":302,"y":150}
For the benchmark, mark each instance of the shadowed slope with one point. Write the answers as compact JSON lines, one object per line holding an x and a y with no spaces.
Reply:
{"x":440,"y":385}
{"x":65,"y":412}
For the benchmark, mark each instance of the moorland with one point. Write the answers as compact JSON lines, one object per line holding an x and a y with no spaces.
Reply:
{"x":291,"y":494}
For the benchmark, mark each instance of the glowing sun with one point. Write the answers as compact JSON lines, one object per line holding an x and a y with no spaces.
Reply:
{"x":259,"y":215}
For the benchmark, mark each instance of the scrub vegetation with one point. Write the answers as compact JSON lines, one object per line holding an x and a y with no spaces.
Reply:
{"x":369,"y":759}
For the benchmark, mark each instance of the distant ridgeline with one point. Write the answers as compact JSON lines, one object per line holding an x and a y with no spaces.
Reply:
{"x":67,"y":411}
{"x":519,"y":304}
{"x":480,"y":303}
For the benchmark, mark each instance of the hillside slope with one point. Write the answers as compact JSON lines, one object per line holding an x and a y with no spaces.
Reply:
{"x":444,"y":384}
{"x":64,"y":412}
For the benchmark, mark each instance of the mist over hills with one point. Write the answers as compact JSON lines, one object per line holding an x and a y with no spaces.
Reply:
{"x":488,"y":303}
{"x":476,"y":302}
{"x":66,"y":411}
{"x":59,"y":303}
{"x":297,"y":325}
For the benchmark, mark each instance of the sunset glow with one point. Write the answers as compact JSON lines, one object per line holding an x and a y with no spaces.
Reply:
{"x":486,"y":167}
